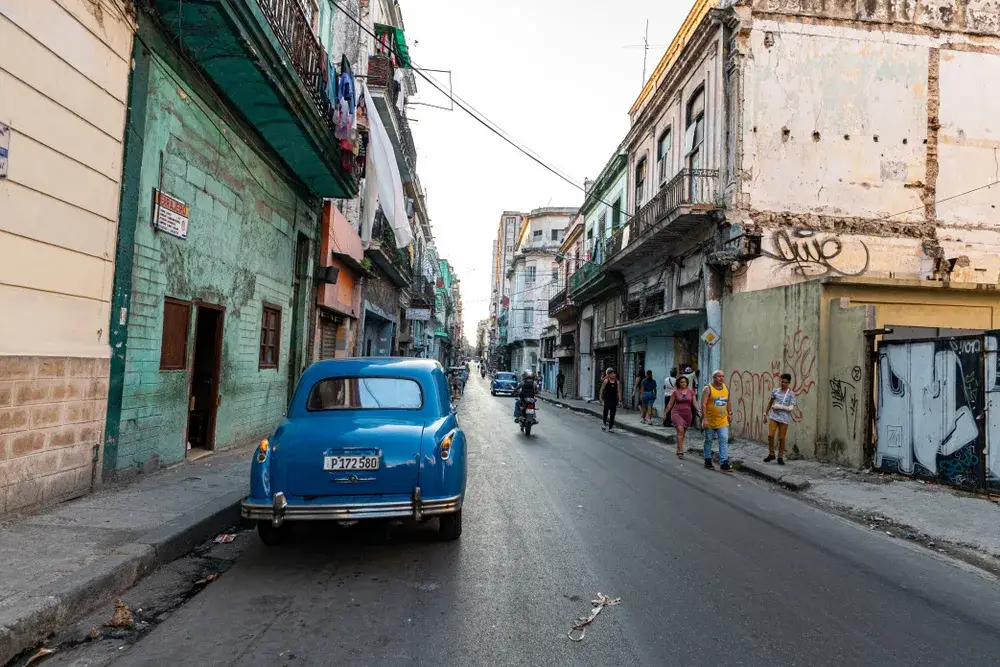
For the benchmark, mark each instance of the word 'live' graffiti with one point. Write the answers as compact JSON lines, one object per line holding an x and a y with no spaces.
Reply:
{"x":932,"y":398}
{"x":809,"y":253}
{"x":750,"y":391}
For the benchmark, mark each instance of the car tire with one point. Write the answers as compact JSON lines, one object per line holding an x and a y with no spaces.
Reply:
{"x":450,"y":528}
{"x":527,"y":429}
{"x":270,"y":535}
{"x":493,"y":392}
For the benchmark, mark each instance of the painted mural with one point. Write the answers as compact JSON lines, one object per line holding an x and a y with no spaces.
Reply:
{"x":932,"y":397}
{"x":750,"y":390}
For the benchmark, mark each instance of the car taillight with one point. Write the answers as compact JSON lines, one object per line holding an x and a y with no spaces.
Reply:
{"x":446,"y":446}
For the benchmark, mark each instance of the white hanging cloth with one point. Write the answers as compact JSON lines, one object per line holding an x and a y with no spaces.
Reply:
{"x":390,"y":185}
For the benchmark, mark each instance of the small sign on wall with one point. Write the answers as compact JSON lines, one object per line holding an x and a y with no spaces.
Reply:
{"x":170,"y":214}
{"x":710,"y":336}
{"x":418,"y":314}
{"x":4,"y":149}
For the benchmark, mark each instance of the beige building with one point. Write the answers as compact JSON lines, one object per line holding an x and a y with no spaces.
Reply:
{"x":64,"y":67}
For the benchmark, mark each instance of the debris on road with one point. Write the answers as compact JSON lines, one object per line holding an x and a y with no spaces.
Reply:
{"x":122,"y":618}
{"x":224,"y":538}
{"x":207,"y":579}
{"x":580,"y":624}
{"x":38,"y":655}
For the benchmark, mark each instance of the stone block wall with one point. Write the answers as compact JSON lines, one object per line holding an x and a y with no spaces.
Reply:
{"x":52,"y":413}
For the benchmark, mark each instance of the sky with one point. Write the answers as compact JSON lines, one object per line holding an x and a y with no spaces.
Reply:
{"x":555,"y":75}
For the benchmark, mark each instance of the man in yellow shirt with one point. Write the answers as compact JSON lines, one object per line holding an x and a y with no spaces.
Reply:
{"x":717,"y":414}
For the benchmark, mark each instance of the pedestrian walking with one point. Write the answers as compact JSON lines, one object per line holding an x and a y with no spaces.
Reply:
{"x":560,"y":382}
{"x":716,"y":415}
{"x":637,"y":391}
{"x":681,"y":407}
{"x":778,"y":412}
{"x":669,"y":384}
{"x":648,"y":396}
{"x":611,"y":395}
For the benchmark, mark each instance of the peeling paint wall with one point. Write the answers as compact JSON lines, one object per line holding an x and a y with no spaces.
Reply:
{"x":245,"y":219}
{"x":862,"y":135}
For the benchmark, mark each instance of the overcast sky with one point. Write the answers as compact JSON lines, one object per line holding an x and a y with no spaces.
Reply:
{"x":555,"y":75}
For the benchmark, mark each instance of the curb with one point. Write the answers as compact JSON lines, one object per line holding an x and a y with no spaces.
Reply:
{"x":27,"y":621}
{"x":772,"y":474}
{"x":624,"y":426}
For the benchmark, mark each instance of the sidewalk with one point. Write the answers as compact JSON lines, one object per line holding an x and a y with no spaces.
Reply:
{"x":936,"y":516}
{"x":64,"y":561}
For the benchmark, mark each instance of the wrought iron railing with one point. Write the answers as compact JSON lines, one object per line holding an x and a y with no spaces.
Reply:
{"x":690,"y":186}
{"x":583,"y":275}
{"x":383,"y":234}
{"x":557,"y":302}
{"x":381,"y":74}
{"x":294,"y":31}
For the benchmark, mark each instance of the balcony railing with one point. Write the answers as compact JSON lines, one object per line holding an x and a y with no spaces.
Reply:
{"x":294,"y":31}
{"x":381,"y":74}
{"x":689,"y":187}
{"x":583,"y":275}
{"x":556,"y":302}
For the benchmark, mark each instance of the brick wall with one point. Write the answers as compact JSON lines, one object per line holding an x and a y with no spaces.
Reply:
{"x":239,"y":253}
{"x":51,"y":421}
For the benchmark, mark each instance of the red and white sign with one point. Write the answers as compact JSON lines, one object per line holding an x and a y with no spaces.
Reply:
{"x":170,"y":214}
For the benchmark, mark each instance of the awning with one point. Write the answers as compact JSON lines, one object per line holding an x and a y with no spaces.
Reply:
{"x":399,"y":42}
{"x":684,"y":319}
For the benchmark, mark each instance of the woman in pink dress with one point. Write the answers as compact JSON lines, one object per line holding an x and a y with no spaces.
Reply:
{"x":681,"y":408}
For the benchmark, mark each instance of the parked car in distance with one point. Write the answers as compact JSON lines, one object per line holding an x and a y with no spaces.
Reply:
{"x":364,"y":439}
{"x":504,"y":382}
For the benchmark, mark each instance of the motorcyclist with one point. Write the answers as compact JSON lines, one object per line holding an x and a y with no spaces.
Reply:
{"x":526,"y":389}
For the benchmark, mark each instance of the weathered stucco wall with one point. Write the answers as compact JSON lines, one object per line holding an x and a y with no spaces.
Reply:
{"x":240,"y":252}
{"x":844,"y":386}
{"x":861,"y":144}
{"x":768,"y":333}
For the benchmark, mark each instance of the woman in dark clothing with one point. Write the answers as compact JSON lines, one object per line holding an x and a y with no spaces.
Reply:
{"x":611,"y":395}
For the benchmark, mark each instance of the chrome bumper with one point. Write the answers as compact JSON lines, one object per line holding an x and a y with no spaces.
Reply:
{"x":280,"y":511}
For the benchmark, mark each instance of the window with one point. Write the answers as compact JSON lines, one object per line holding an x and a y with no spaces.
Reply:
{"x":528,"y":316}
{"x":555,"y":274}
{"x":695,"y":134}
{"x":529,"y":275}
{"x":270,"y":336}
{"x":173,"y":344}
{"x":640,"y":182}
{"x":616,"y":214}
{"x":663,"y":153}
{"x":537,"y":234}
{"x":555,"y":234}
{"x":354,"y":393}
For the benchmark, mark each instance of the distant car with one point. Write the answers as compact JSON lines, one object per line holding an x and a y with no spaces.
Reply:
{"x":372,"y":438}
{"x":504,"y":383}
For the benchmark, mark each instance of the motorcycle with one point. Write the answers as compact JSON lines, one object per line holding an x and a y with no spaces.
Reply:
{"x":528,"y":417}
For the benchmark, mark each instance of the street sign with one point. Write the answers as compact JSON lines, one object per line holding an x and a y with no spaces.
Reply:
{"x":4,"y":149}
{"x":170,"y":214}
{"x":418,"y":314}
{"x":711,"y":337}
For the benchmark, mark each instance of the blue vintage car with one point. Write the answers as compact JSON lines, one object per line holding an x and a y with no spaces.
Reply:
{"x":504,"y":383}
{"x":372,"y":438}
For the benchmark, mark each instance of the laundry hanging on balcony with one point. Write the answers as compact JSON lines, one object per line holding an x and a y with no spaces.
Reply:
{"x":391,"y":41}
{"x":382,"y":162}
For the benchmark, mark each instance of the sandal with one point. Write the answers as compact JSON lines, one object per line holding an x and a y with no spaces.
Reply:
{"x":680,"y":455}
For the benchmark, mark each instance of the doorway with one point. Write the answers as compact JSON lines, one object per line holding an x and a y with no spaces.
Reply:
{"x":295,"y":357}
{"x":203,"y":402}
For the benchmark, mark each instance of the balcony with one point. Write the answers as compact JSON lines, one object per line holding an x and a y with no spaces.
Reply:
{"x":422,"y":292}
{"x":677,"y":212}
{"x":591,"y":281}
{"x":264,"y":57}
{"x":561,"y":307}
{"x":394,"y":262}
{"x":386,"y":95}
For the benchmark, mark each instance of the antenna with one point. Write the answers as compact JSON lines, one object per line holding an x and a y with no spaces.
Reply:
{"x":645,"y":46}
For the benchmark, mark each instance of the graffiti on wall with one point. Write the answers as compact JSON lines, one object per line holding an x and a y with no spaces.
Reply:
{"x":844,"y":397}
{"x":930,"y":405}
{"x":809,"y":253}
{"x":750,"y":390}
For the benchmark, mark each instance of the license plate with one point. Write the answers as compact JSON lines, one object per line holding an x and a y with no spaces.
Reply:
{"x":529,"y":411}
{"x":351,"y":463}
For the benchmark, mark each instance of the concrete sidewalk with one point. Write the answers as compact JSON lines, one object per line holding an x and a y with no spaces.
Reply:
{"x":66,"y":560}
{"x":937,"y":516}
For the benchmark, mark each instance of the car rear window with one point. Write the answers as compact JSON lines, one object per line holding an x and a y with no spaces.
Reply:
{"x":505,"y":376}
{"x":365,"y":393}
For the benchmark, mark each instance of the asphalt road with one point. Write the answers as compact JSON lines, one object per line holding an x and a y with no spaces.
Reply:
{"x":713,"y":569}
